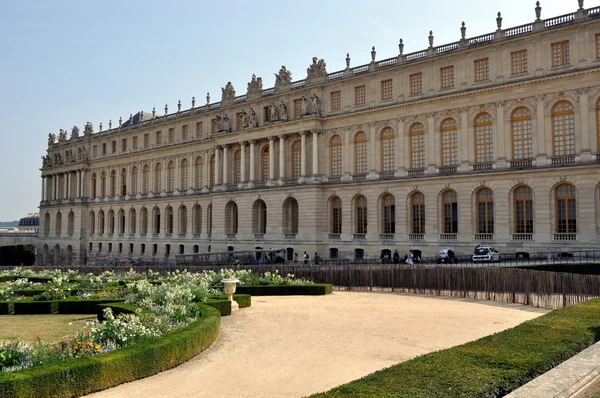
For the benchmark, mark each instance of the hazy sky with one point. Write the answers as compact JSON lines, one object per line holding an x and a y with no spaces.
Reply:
{"x":67,"y":62}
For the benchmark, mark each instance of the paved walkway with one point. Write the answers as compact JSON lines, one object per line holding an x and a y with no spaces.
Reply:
{"x":296,"y":346}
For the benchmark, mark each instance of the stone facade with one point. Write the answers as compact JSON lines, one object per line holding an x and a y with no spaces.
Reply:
{"x":491,"y":140}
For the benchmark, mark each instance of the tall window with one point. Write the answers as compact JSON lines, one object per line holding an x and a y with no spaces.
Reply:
{"x":563,"y":128}
{"x":449,"y":212}
{"x":335,"y":155}
{"x":447,"y":76}
{"x":264,"y":163}
{"x":259,"y":217}
{"x":485,"y":211}
{"x":296,"y":159}
{"x":297,"y":108}
{"x":360,"y":153}
{"x":197,"y":219}
{"x":360,"y":95}
{"x":290,"y":216}
{"x":157,"y":178}
{"x":132,"y":221}
{"x":113,"y":183}
{"x":94,"y":186}
{"x":183,"y":183}
{"x":520,"y":122}
{"x":123,"y":182}
{"x":417,"y":146}
{"x":101,"y":221}
{"x":146,"y":140}
{"x":184,"y":132}
{"x":560,"y":53}
{"x":566,"y":209}
{"x":523,"y":199}
{"x":144,"y":221}
{"x":597,"y":45}
{"x":598,"y":122}
{"x":103,"y":184}
{"x":171,"y":177}
{"x":198,"y":129}
{"x":388,"y":214}
{"x":58,"y":226}
{"x":518,"y":61}
{"x":237,"y":167}
{"x":171,"y":135}
{"x":199,"y":165}
{"x":416,"y":83}
{"x":92,"y":221}
{"x":417,"y":213}
{"x":449,"y":143}
{"x":134,"y":145}
{"x":111,"y":221}
{"x":212,"y":171}
{"x":336,"y":215}
{"x":484,"y":147}
{"x":386,"y":89}
{"x":387,"y":149}
{"x":336,"y":100}
{"x":158,"y":138}
{"x":360,"y":207}
{"x":482,"y":69}
{"x":231,"y":218}
{"x":146,"y":180}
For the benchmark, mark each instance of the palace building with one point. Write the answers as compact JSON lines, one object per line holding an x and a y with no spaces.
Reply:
{"x":490,"y":140}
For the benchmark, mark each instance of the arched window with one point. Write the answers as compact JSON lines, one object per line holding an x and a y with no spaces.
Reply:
{"x":417,"y":213}
{"x":144,"y":219}
{"x":197,"y":219}
{"x":231,"y":218}
{"x":69,"y":259}
{"x":101,"y":221}
{"x":563,"y":128}
{"x":132,"y":221}
{"x":566,"y":209}
{"x":113,"y":183}
{"x":169,"y":219}
{"x":47,"y":223}
{"x":360,"y":207}
{"x":388,"y":214}
{"x":121,"y":221}
{"x":598,"y":123}
{"x":523,"y":202}
{"x":183,"y":180}
{"x":183,"y":220}
{"x":360,"y":153}
{"x":290,"y":216}
{"x":259,"y":217}
{"x":417,"y":146}
{"x":449,"y":212}
{"x":123,"y":181}
{"x":264,"y":163}
{"x":484,"y":139}
{"x":58,"y":223}
{"x":199,"y":165}
{"x":156,"y":220}
{"x":520,"y":123}
{"x":146,"y":180}
{"x":296,"y":159}
{"x":103,"y":184}
{"x":237,"y":166}
{"x":335,"y":155}
{"x":387,"y":150}
{"x":209,"y":218}
{"x":157,"y":178}
{"x":71,"y":223}
{"x":134,"y":182}
{"x":449,"y":143}
{"x":92,"y":221}
{"x":94,"y":186}
{"x":485,"y":211}
{"x":212,"y":171}
{"x":171,"y":176}
{"x":111,"y":221}
{"x":336,"y":215}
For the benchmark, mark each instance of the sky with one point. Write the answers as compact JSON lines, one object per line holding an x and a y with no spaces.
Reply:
{"x":66,"y":62}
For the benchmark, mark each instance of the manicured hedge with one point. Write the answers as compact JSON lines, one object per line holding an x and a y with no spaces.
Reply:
{"x":224,"y":306}
{"x":29,"y":292}
{"x":489,"y":367}
{"x":81,"y":376}
{"x":317,"y":289}
{"x":589,"y":269}
{"x":88,"y":306}
{"x":17,"y":255}
{"x":118,"y":307}
{"x":7,"y":307}
{"x":35,"y":307}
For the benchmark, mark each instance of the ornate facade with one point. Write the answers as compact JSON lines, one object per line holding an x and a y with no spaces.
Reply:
{"x":489,"y":140}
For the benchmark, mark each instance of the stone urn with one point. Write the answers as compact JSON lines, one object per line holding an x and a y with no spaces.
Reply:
{"x":229,"y":288}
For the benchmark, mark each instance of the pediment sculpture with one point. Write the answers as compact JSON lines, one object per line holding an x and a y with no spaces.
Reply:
{"x":62,"y":135}
{"x":51,"y":138}
{"x":283,"y":78}
{"x":228,"y":93}
{"x":255,"y":86}
{"x":46,"y":161}
{"x":316,"y":69}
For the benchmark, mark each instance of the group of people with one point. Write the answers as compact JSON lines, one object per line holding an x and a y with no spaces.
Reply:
{"x":410,"y":258}
{"x":306,"y":258}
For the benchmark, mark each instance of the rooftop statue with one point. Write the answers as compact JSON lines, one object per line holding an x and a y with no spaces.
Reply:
{"x":255,"y":85}
{"x":228,"y":93}
{"x":283,"y":78}
{"x":316,"y":69}
{"x":88,"y":129}
{"x":62,"y":135}
{"x":75,"y":132}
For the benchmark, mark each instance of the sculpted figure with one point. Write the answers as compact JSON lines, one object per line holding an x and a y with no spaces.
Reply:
{"x":284,"y":77}
{"x":84,"y":155}
{"x":88,"y":129}
{"x":62,"y":135}
{"x":317,"y":68}
{"x":252,"y":119}
{"x":316,"y":103}
{"x":225,"y":123}
{"x":228,"y":93}
{"x":255,"y":85}
{"x":273,"y":112}
{"x":74,"y":132}
{"x":244,"y":119}
{"x":283,"y":111}
{"x":46,"y":161}
{"x":51,"y":138}
{"x":303,"y":104}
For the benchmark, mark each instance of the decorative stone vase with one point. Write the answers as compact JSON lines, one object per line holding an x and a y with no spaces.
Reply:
{"x":229,"y":288}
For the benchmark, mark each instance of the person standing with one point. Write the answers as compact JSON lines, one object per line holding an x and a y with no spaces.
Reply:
{"x":396,"y":257}
{"x":316,"y":259}
{"x":305,"y":258}
{"x":295,"y":258}
{"x":410,"y":260}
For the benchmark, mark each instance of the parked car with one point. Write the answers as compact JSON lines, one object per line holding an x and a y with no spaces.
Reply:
{"x":486,"y":254}
{"x":447,"y":256}
{"x":522,"y":256}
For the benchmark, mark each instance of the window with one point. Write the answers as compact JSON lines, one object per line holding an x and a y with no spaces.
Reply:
{"x":213,"y":126}
{"x":146,"y":140}
{"x":113,"y":184}
{"x":111,"y":221}
{"x":266,"y":113}
{"x":231,"y":218}
{"x":387,"y":150}
{"x":360,"y":153}
{"x":360,"y":206}
{"x":336,"y":100}
{"x":58,"y":226}
{"x":123,"y":182}
{"x":94,"y":186}
{"x":237,"y":167}
{"x":597,"y":45}
{"x":239,"y":121}
{"x":416,"y":83}
{"x":197,"y":219}
{"x":146,"y":180}
{"x":103,"y":184}
{"x":336,"y":215}
{"x":184,"y":181}
{"x":449,"y":143}
{"x":158,"y":139}
{"x":566,"y":209}
{"x":447,"y":76}
{"x":144,"y":217}
{"x":484,"y":148}
{"x":134,"y":182}
{"x":124,"y":145}
{"x":417,"y":146}
{"x":560,"y":53}
{"x":388,"y":214}
{"x":135,"y":143}
{"x":92,"y":221}
{"x":95,"y":151}
{"x":360,"y":95}
{"x":563,"y":129}
{"x":169,"y":220}
{"x":296,"y":159}
{"x":264,"y":163}
{"x":198,"y":129}
{"x":212,"y":171}
{"x":199,"y":171}
{"x":171,"y":135}
{"x":485,"y":211}
{"x":387,"y":89}
{"x":598,"y":122}
{"x":520,"y":122}
{"x":101,"y":221}
{"x":449,"y":213}
{"x":297,"y":108}
{"x":291,"y":216}
{"x":482,"y":69}
{"x":157,"y":178}
{"x":113,"y":147}
{"x":259,"y":217}
{"x":523,"y":202}
{"x":417,"y":213}
{"x":132,"y":221}
{"x":104,"y":148}
{"x":171,"y":177}
{"x":518,"y":61}
{"x":335,"y":155}
{"x":184,"y":132}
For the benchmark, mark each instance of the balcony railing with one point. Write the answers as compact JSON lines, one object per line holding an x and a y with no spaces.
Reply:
{"x":259,"y":236}
{"x":448,"y":169}
{"x":359,"y":177}
{"x":131,"y":236}
{"x":359,"y":236}
{"x":483,"y":166}
{"x":522,"y":236}
{"x":334,"y":236}
{"x":387,"y":174}
{"x":448,"y":236}
{"x":231,"y":236}
{"x":565,"y":237}
{"x":182,"y":235}
{"x":289,"y":236}
{"x":416,"y":236}
{"x":386,"y":236}
{"x":197,"y":235}
{"x":562,"y":160}
{"x":484,"y":237}
{"x":521,"y":164}
{"x":416,"y":172}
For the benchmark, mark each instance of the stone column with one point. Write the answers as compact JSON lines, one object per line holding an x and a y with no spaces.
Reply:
{"x":303,"y":154}
{"x":225,"y":164}
{"x":463,"y":140}
{"x":78,"y":185}
{"x":398,"y":150}
{"x":243,"y":162}
{"x":585,"y":148}
{"x":281,"y":157}
{"x":372,"y":157}
{"x":499,"y":137}
{"x":430,"y":144}
{"x":217,"y":166}
{"x":252,"y":161}
{"x":271,"y":158}
{"x":43,"y":187}
{"x":65,"y":186}
{"x":542,"y":154}
{"x":315,"y":153}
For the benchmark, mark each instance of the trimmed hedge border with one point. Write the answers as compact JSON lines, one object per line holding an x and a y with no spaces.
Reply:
{"x":586,"y":269}
{"x":317,"y":289}
{"x":224,"y":306}
{"x":489,"y":367}
{"x":80,"y":376}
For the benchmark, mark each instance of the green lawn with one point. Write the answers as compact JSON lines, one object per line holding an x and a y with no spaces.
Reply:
{"x":49,"y":328}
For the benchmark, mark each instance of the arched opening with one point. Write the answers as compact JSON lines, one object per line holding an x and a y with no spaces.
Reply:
{"x":103,"y":184}
{"x":99,"y":247}
{"x":71,"y":223}
{"x":484,"y":139}
{"x":167,"y":250}
{"x":259,"y":217}
{"x":169,"y":219}
{"x":231,"y":218}
{"x":134,"y":181}
{"x":157,"y":178}
{"x":290,"y":216}
{"x":45,"y":255}
{"x":156,"y":220}
{"x":196,"y":249}
{"x":264,"y":164}
{"x":132,"y":221}
{"x":146,"y":179}
{"x":171,"y":177}
{"x":359,"y":254}
{"x":388,"y":214}
{"x":333,"y":253}
{"x":46,"y":223}
{"x":289,"y":254}
{"x":417,"y":146}
{"x":111,"y":221}
{"x":335,"y":155}
{"x":388,"y":140}
{"x":58,"y":226}
{"x":122,"y":221}
{"x":565,"y":212}
{"x":101,"y":221}
{"x":523,"y":213}
{"x":563,"y":128}
{"x":56,"y":256}
{"x":181,"y":249}
{"x":449,"y":137}
{"x":144,"y":220}
{"x":212,"y":171}
{"x":417,"y":213}
{"x":199,"y":165}
{"x":92,"y":220}
{"x":113,"y":183}
{"x":120,"y":247}
{"x":94,"y":185}
{"x":237,"y":166}
{"x":335,"y":211}
{"x":484,"y":205}
{"x":184,"y":181}
{"x":209,"y":218}
{"x":449,"y":212}
{"x":360,"y":153}
{"x":360,"y":214}
{"x":123,"y":182}
{"x":197,"y":219}
{"x":296,"y":159}
{"x":521,"y":128}
{"x":183,"y":220}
